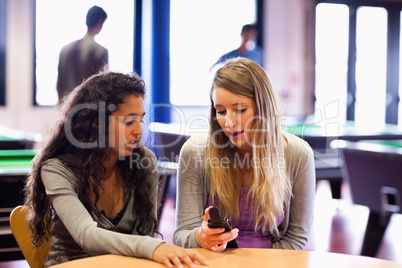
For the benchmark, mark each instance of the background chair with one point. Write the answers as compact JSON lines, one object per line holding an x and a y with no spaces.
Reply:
{"x":167,"y":141}
{"x":35,"y":256}
{"x":373,"y":170}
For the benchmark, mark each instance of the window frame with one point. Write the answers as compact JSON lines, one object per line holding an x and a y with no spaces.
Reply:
{"x":3,"y":51}
{"x":34,"y":88}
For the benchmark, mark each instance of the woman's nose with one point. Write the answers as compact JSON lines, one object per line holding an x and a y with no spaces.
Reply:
{"x":137,"y":130}
{"x":230,"y":122}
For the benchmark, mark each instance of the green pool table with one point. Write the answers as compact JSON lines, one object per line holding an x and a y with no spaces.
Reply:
{"x":170,"y":137}
{"x":320,"y":136}
{"x":14,"y":168}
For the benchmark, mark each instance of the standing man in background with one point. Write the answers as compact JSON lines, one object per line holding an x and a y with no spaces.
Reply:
{"x":248,"y":47}
{"x":84,"y":57}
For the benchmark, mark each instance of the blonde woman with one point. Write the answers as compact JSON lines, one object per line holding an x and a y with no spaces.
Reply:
{"x":260,"y":177}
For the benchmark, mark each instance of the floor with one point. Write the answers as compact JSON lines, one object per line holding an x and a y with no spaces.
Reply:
{"x":338,"y":226}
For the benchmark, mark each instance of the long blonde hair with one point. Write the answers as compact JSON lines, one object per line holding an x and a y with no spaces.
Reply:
{"x":270,"y":186}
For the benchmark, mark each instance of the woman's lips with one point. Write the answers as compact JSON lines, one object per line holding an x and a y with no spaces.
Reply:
{"x":132,"y":145}
{"x":236,"y":134}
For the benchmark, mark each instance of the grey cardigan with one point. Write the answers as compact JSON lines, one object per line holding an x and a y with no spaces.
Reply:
{"x":78,"y":234}
{"x":193,"y":191}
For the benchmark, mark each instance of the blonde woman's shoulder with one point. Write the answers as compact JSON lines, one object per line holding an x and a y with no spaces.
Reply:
{"x":195,"y":143}
{"x":295,"y":143}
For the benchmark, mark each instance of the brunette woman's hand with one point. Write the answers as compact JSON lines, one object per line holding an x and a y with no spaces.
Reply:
{"x":214,"y":239}
{"x":175,"y":256}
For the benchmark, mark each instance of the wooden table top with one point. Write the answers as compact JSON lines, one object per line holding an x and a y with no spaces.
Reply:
{"x":246,"y":257}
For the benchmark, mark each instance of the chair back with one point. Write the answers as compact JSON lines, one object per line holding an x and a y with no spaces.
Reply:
{"x":35,"y":256}
{"x":373,"y":172}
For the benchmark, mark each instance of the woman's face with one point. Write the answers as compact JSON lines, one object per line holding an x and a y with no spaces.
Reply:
{"x":125,"y":126}
{"x":235,"y":115}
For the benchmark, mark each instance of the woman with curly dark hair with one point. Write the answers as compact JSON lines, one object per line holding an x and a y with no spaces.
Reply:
{"x":94,"y":180}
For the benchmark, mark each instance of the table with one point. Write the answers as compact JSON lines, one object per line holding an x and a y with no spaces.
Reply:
{"x":16,"y":160}
{"x":14,"y":168}
{"x":373,"y":170}
{"x":170,"y":137}
{"x":320,"y":136}
{"x":245,"y":257}
{"x":14,"y":139}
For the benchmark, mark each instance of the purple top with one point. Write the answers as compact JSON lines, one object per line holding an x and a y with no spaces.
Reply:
{"x":247,"y":237}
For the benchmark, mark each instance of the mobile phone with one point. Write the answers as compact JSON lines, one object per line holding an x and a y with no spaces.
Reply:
{"x":216,"y":221}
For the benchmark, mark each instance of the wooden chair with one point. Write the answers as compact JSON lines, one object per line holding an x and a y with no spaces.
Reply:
{"x":35,"y":256}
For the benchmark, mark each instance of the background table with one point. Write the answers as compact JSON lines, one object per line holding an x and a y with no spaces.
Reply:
{"x":14,"y":168}
{"x":15,"y":139}
{"x":327,"y":159}
{"x":168,"y":139}
{"x":245,"y":257}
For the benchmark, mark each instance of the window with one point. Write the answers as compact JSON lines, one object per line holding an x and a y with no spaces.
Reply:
{"x":371,"y":65}
{"x":357,"y":60}
{"x":198,"y":37}
{"x":332,"y":28}
{"x":61,"y":22}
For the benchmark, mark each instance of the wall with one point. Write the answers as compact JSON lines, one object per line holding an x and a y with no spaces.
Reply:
{"x":289,"y":53}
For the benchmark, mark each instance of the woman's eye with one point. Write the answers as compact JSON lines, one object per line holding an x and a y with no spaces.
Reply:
{"x":129,"y":123}
{"x":221,"y":112}
{"x":241,"y":111}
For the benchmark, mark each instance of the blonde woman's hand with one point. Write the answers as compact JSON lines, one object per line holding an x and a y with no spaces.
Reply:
{"x":175,"y":256}
{"x":214,"y":239}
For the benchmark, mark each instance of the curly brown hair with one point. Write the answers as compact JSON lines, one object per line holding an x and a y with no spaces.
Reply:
{"x":81,"y":116}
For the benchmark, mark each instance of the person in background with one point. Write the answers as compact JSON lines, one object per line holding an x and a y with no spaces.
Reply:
{"x":260,"y":177}
{"x":84,"y":57}
{"x":248,"y":47}
{"x":95,"y":182}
